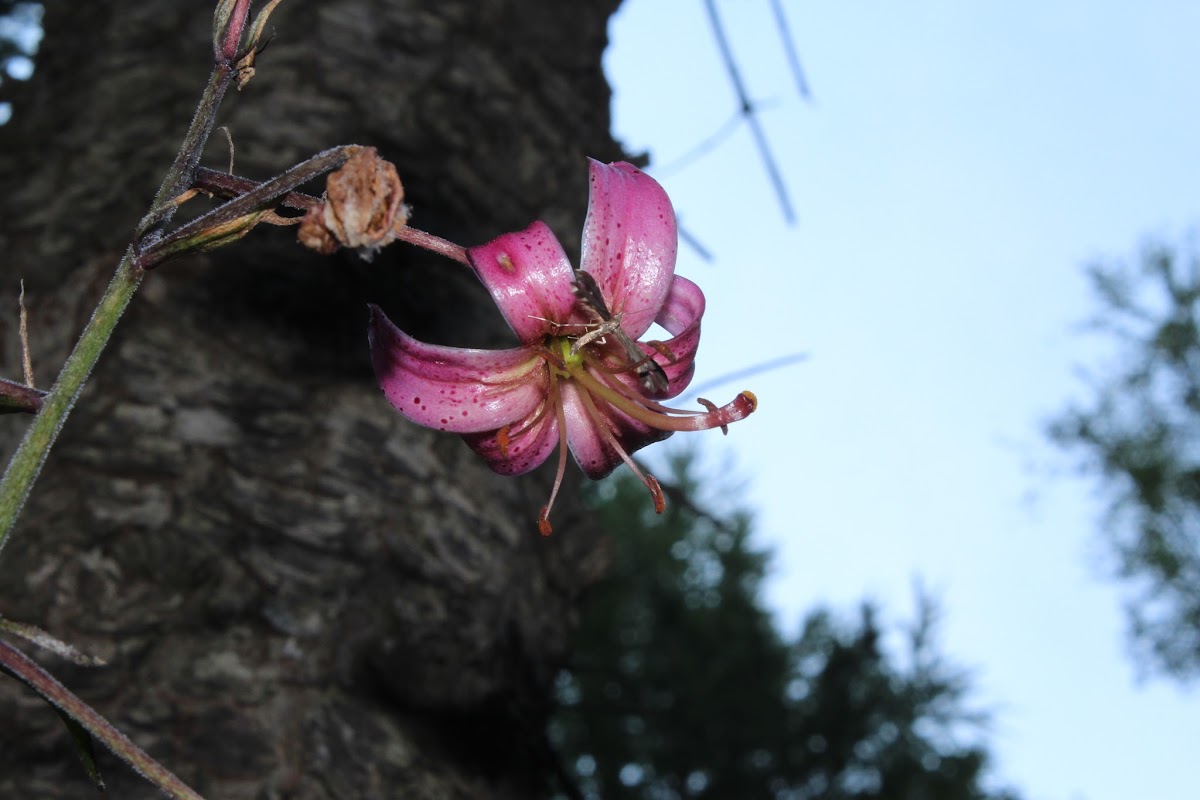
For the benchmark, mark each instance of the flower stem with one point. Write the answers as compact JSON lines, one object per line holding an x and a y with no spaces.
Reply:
{"x":17,"y":397}
{"x":31,"y":674}
{"x":258,"y":198}
{"x":27,"y":462}
{"x":432,"y":243}
{"x":232,"y":186}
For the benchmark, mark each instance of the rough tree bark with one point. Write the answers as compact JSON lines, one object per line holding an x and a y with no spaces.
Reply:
{"x":300,"y":594}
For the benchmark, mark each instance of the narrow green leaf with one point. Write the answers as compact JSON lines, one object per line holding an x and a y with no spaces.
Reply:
{"x":83,"y":748}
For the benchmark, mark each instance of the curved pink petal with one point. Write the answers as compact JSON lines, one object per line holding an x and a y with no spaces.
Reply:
{"x":629,"y":242}
{"x":680,"y":315}
{"x":530,"y":279}
{"x":455,"y":389}
{"x":593,"y":452}
{"x":522,"y":447}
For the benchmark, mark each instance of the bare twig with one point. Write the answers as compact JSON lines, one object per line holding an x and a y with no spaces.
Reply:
{"x":702,"y":149}
{"x":229,"y":23}
{"x":228,"y":186}
{"x":229,"y":140}
{"x":17,"y":398}
{"x":434,"y":243}
{"x":691,"y":241}
{"x":747,"y":110}
{"x":32,"y":675}
{"x":790,"y":48}
{"x":223,"y":185}
{"x":255,"y":201}
{"x":44,"y":640}
{"x":26,"y":361}
{"x":756,"y":369}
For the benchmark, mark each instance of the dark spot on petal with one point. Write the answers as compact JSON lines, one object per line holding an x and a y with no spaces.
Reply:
{"x":417,"y":400}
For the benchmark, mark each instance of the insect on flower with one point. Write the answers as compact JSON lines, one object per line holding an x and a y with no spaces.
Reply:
{"x":581,"y":380}
{"x":587,"y":293}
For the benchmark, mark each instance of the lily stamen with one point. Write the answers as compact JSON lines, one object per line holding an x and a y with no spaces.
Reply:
{"x":669,"y":419}
{"x":602,"y":425}
{"x":544,"y":515}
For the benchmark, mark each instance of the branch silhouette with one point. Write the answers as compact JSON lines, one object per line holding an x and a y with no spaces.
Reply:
{"x":756,"y":369}
{"x":748,"y":112}
{"x":789,"y":48}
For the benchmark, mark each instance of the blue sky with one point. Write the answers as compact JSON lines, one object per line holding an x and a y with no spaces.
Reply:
{"x":960,"y":164}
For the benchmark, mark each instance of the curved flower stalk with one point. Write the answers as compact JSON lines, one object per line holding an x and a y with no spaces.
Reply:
{"x":580,"y":380}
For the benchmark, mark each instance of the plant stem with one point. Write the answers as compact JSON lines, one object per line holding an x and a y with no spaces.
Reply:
{"x":27,"y":462}
{"x":260,"y":196}
{"x":179,"y":176}
{"x":230,"y":186}
{"x":31,"y":673}
{"x":432,"y":243}
{"x":223,"y":184}
{"x":17,"y":397}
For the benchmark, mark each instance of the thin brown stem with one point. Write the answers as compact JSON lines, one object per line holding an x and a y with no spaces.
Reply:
{"x":18,"y":398}
{"x":228,"y":186}
{"x":29,"y":672}
{"x":180,"y":175}
{"x":433,"y":243}
{"x":23,"y":333}
{"x":231,"y":186}
{"x":260,"y":198}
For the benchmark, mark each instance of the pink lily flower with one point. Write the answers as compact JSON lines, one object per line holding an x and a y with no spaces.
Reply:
{"x":579,"y":380}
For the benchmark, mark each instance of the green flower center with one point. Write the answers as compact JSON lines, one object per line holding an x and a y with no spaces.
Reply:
{"x":571,"y":360}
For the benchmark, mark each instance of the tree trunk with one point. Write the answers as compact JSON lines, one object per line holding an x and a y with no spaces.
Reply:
{"x":299,"y":593}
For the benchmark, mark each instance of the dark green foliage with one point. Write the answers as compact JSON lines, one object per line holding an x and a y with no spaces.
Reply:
{"x":1140,"y":433}
{"x":682,"y":687}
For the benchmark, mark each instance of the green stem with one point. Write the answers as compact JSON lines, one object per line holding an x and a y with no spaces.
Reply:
{"x":26,"y":463}
{"x":31,"y":674}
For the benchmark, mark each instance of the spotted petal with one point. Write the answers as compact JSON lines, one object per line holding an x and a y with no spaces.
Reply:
{"x":530,"y":279}
{"x":587,"y":420}
{"x":629,"y":242}
{"x":680,"y":315}
{"x":520,"y":447}
{"x":455,"y":389}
